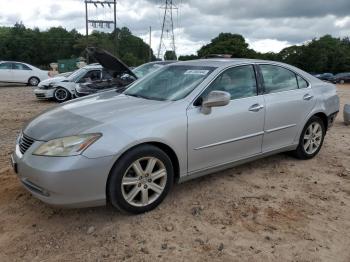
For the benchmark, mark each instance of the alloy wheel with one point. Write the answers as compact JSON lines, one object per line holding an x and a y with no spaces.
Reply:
{"x":313,"y":138}
{"x":61,"y":94}
{"x":144,"y":181}
{"x":33,"y":81}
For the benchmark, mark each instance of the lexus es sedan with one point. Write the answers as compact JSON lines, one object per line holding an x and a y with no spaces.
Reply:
{"x":18,"y":72}
{"x":184,"y":121}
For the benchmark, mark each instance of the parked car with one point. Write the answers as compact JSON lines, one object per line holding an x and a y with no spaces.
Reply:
{"x":325,"y":76}
{"x":150,"y":67}
{"x":123,"y":75}
{"x":18,"y":72}
{"x":116,"y":74}
{"x":183,"y":121}
{"x":341,"y":78}
{"x":62,"y":88}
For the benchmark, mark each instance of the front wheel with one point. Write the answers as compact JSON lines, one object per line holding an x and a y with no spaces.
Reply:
{"x":61,"y":95}
{"x":311,"y":139}
{"x":140,"y":180}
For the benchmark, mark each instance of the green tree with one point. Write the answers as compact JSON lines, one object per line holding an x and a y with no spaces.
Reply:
{"x":41,"y":48}
{"x":170,"y":55}
{"x":187,"y":57}
{"x":227,"y":43}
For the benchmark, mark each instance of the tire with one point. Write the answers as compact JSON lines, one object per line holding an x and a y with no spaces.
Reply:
{"x":33,"y":81}
{"x":61,"y":95}
{"x":306,"y":150}
{"x":145,"y":189}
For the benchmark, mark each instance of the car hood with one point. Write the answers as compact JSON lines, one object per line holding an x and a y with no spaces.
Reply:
{"x":52,"y":80}
{"x":109,"y":62}
{"x":90,"y":113}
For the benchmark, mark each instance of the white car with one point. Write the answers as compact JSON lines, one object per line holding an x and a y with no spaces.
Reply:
{"x":62,"y":88}
{"x":18,"y":72}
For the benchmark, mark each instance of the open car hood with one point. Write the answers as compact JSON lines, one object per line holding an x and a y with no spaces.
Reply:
{"x":109,"y":62}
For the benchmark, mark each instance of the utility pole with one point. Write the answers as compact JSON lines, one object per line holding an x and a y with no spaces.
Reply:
{"x":167,"y":28}
{"x":98,"y":22}
{"x":150,"y":44}
{"x":115,"y":27}
{"x":87,"y":30}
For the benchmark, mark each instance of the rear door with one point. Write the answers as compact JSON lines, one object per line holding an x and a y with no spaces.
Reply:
{"x":6,"y":72}
{"x":231,"y":132}
{"x":288,"y":99}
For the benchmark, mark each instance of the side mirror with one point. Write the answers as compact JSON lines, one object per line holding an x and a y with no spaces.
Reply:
{"x":215,"y":99}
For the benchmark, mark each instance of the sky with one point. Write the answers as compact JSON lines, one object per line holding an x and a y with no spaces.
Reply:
{"x":267,"y":25}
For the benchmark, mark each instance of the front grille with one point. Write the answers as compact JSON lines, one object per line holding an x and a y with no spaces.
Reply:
{"x":40,"y":95}
{"x":24,"y":143}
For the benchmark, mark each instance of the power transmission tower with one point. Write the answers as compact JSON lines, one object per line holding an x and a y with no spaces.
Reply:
{"x":167,"y":34}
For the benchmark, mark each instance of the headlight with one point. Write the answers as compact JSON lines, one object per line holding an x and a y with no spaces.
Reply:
{"x":67,"y":146}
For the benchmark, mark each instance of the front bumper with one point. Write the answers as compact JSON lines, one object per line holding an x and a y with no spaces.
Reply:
{"x":75,"y":181}
{"x":44,"y":93}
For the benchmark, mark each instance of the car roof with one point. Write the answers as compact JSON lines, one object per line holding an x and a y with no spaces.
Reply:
{"x":93,"y":66}
{"x":223,"y":62}
{"x":13,"y":62}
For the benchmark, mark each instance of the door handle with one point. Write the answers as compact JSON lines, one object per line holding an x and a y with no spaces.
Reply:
{"x":256,"y":108}
{"x":308,"y":97}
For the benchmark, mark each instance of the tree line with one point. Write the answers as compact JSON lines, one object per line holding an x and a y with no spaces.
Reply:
{"x":41,"y":48}
{"x":325,"y":54}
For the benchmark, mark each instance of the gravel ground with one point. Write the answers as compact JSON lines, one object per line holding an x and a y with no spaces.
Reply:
{"x":275,"y":209}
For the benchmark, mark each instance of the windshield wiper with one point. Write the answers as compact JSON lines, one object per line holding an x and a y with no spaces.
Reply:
{"x":146,"y":97}
{"x":136,"y":95}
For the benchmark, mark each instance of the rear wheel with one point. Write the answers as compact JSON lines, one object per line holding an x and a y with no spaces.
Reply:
{"x":140,"y":180}
{"x":61,"y":95}
{"x":311,"y":139}
{"x":33,"y":81}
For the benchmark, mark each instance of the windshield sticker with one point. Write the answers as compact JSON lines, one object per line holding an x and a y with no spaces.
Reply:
{"x":196,"y":72}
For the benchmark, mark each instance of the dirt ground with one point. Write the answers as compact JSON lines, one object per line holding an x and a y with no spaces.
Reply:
{"x":275,"y":209}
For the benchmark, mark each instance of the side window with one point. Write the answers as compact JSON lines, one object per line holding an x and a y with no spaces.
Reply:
{"x":301,"y":82}
{"x":6,"y":66}
{"x":18,"y":66}
{"x":278,"y":79}
{"x":93,"y":75}
{"x":239,"y":81}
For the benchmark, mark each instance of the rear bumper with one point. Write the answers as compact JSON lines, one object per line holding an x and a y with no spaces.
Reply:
{"x":331,"y":119}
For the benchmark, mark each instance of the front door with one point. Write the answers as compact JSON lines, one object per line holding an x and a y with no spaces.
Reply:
{"x":231,"y":132}
{"x":288,"y":100}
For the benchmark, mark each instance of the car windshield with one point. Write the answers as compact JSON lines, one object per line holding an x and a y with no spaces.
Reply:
{"x":75,"y":76}
{"x":145,"y":69}
{"x":172,"y":82}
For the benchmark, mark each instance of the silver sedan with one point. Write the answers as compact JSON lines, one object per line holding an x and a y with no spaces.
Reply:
{"x":183,"y":121}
